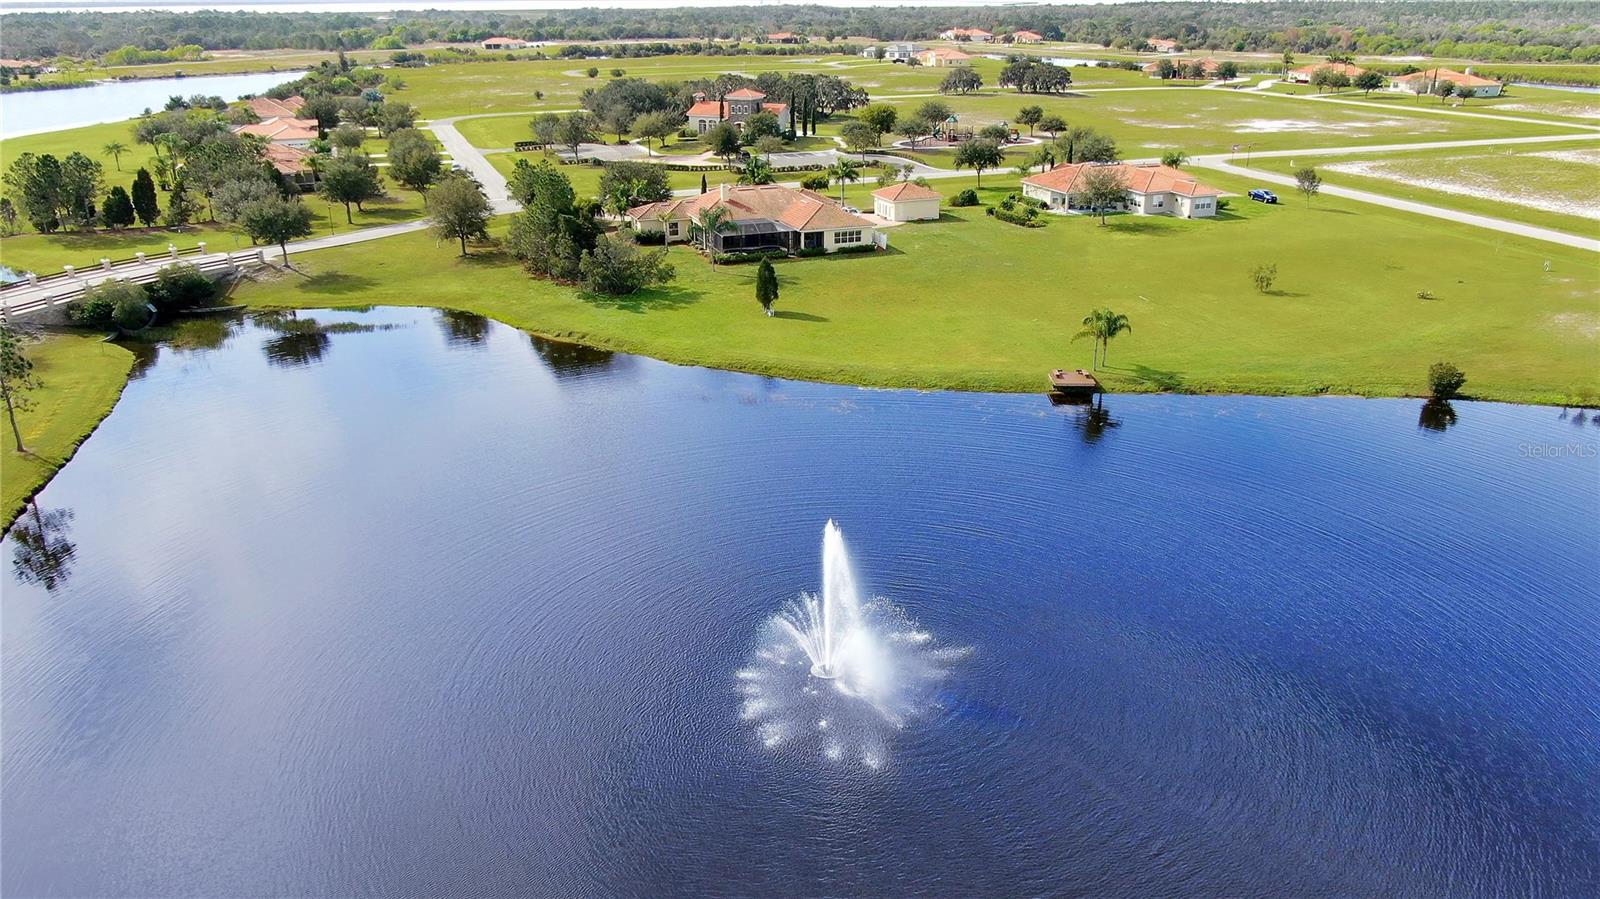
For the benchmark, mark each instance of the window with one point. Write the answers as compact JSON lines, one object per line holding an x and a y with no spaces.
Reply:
{"x":813,"y":240}
{"x":672,"y":229}
{"x":844,"y":237}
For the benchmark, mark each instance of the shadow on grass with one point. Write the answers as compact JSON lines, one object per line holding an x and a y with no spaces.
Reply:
{"x":659,"y":299}
{"x":1277,"y":292}
{"x":1332,"y":211}
{"x":336,"y":283}
{"x":800,"y":316}
{"x":1138,"y":225}
{"x":1161,"y":379}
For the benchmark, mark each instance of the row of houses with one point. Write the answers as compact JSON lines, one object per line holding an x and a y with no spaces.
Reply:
{"x":927,"y":56}
{"x":288,"y":137}
{"x":980,"y":36}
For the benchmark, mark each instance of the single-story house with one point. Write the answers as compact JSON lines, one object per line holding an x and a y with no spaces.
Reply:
{"x":1152,"y":189}
{"x":943,"y":56}
{"x":735,"y":108}
{"x":785,"y":37}
{"x":1303,"y":74}
{"x":1208,"y":65}
{"x":503,"y":43}
{"x":966,"y":34}
{"x":1026,"y":37}
{"x":900,"y":52}
{"x":1162,"y":45}
{"x":760,"y":216}
{"x":283,"y":130}
{"x":294,"y":164}
{"x":268,"y":108}
{"x":906,"y":202}
{"x":893,"y":52}
{"x":1423,"y":82}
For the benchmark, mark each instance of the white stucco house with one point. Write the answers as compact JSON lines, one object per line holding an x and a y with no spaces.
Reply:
{"x":906,"y":202}
{"x":977,"y":35}
{"x":503,"y":43}
{"x":1151,"y":189}
{"x":1424,"y":82}
{"x":761,"y":217}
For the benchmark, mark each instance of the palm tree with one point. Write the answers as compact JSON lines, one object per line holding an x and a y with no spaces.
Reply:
{"x":708,"y":222}
{"x":664,"y":216}
{"x":115,"y":149}
{"x":844,"y":171}
{"x":1112,"y":324}
{"x":1092,"y":329}
{"x":1102,"y":326}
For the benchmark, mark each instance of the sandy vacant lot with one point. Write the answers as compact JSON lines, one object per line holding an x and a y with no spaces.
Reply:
{"x":1564,"y":181}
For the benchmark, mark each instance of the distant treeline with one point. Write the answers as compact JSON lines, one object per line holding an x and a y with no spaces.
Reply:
{"x":1491,"y":30}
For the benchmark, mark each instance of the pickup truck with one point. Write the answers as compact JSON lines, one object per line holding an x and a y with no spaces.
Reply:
{"x":1262,"y":195}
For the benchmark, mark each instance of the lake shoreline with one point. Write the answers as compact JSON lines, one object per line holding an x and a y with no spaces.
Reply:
{"x":993,"y":384}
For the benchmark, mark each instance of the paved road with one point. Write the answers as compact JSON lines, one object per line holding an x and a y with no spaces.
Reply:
{"x":472,"y":159}
{"x":1454,"y":215}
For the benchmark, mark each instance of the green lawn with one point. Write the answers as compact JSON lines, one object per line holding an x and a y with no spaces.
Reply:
{"x":586,"y":178}
{"x":973,"y":303}
{"x":44,"y":253}
{"x":1529,"y":183}
{"x":82,"y":377}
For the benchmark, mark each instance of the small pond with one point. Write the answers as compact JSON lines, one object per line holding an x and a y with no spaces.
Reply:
{"x":33,"y":112}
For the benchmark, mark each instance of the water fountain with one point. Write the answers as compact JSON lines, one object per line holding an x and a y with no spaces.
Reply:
{"x":840,"y":671}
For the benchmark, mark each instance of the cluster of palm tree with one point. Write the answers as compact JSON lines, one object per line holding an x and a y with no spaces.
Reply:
{"x":1102,"y":326}
{"x":844,"y":171}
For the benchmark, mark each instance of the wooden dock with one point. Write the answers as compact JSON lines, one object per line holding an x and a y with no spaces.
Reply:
{"x":1076,"y":381}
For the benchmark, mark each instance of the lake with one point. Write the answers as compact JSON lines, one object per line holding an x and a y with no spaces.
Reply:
{"x":404,"y":602}
{"x":35,"y":112}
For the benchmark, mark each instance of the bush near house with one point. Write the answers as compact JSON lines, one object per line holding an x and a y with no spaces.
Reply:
{"x":968,"y":197}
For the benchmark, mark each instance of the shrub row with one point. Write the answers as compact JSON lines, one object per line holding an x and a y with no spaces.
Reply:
{"x":750,"y":256}
{"x":1029,"y":218}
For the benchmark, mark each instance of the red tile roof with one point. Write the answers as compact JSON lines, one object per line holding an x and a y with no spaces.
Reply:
{"x":801,"y":210}
{"x":281,"y":129}
{"x":705,"y":108}
{"x":745,"y":93}
{"x":286,"y":159}
{"x":268,"y":108}
{"x":1143,"y":179}
{"x":1451,"y":76}
{"x":907,"y":190}
{"x":1344,"y":67}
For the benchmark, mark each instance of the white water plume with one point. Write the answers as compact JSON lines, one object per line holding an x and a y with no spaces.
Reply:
{"x":838,"y":675}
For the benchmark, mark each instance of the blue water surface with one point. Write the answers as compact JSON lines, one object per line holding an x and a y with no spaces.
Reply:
{"x":416,"y":605}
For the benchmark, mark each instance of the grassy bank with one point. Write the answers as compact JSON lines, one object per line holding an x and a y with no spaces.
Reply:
{"x":82,"y":377}
{"x":972,"y":303}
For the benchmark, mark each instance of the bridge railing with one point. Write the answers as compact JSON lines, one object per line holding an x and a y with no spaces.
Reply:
{"x":75,"y":291}
{"x":173,"y":254}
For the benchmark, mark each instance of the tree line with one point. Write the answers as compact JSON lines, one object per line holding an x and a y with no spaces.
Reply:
{"x":1508,"y":30}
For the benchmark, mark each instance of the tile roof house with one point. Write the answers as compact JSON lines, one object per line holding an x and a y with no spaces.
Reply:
{"x":906,"y":202}
{"x":1162,"y":45}
{"x":735,"y":108}
{"x":966,"y":34}
{"x":1152,"y":189}
{"x":503,"y":43}
{"x":268,"y":108}
{"x":762,"y":216}
{"x":1026,"y":37}
{"x":1302,"y":75}
{"x":293,"y":163}
{"x":1423,"y":82}
{"x":785,"y":37}
{"x":291,"y":131}
{"x":943,"y":56}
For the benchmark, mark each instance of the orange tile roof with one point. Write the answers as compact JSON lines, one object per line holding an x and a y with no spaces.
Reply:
{"x":1344,"y":67}
{"x":268,"y":108}
{"x":1142,"y":179}
{"x":745,"y":93}
{"x":907,"y":190}
{"x":1451,"y":76}
{"x":801,"y":210}
{"x":705,"y":108}
{"x":286,"y":159}
{"x":945,"y":53}
{"x":1028,"y":35}
{"x":281,"y":129}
